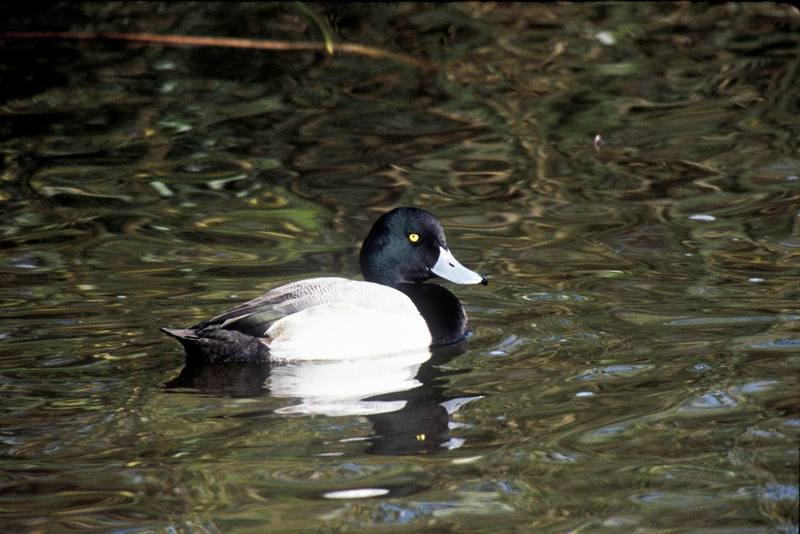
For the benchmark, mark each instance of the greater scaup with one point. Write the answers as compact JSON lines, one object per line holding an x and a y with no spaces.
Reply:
{"x":392,"y":311}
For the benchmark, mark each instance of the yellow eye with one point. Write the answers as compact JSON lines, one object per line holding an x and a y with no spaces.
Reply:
{"x":414,"y":238}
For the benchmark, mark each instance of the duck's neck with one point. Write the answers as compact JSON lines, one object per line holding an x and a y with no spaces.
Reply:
{"x":441,"y":310}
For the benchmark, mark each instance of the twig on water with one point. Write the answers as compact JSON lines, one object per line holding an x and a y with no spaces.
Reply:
{"x":225,"y":42}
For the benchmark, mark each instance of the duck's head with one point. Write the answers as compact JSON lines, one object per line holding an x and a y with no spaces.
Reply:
{"x":407,"y":245}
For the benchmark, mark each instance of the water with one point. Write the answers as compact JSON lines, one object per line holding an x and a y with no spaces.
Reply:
{"x":633,"y":363}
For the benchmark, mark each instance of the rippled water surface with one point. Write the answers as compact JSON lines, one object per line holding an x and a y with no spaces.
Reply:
{"x":627,"y":175}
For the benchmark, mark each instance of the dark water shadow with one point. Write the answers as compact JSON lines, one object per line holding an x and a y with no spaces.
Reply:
{"x":222,"y":379}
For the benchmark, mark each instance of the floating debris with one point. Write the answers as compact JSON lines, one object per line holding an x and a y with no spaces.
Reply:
{"x":605,"y":37}
{"x":705,"y":217}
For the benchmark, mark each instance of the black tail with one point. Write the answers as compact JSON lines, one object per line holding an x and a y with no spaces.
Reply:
{"x":218,"y":345}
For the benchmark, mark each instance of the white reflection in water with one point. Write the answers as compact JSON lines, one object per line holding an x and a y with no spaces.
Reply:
{"x":343,"y":387}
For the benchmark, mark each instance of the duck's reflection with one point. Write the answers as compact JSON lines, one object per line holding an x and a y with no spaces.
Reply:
{"x":403,"y":396}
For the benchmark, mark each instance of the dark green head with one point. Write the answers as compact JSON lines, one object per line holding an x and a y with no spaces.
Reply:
{"x":407,"y":245}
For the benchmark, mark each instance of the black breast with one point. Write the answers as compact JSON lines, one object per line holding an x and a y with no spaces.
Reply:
{"x":441,"y":310}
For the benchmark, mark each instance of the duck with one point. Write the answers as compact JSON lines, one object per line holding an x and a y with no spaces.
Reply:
{"x":392,"y":311}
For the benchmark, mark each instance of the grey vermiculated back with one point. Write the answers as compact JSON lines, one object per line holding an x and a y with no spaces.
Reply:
{"x":255,"y":316}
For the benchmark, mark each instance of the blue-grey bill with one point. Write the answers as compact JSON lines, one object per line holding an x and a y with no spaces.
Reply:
{"x":448,"y":267}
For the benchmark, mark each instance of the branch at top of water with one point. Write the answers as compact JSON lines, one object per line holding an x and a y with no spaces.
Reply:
{"x":225,"y":42}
